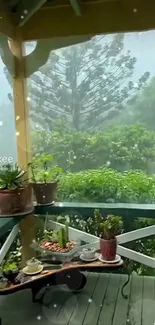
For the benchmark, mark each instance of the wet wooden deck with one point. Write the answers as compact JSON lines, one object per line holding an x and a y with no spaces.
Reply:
{"x":98,"y":304}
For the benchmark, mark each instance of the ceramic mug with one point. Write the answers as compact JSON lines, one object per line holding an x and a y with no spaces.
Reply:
{"x":89,"y":253}
{"x":33,"y":265}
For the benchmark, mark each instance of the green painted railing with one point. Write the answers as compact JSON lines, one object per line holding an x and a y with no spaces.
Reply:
{"x":125,"y":210}
{"x":7,"y":224}
{"x":87,"y":209}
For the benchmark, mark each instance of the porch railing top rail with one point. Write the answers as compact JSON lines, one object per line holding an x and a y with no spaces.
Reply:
{"x":87,"y":209}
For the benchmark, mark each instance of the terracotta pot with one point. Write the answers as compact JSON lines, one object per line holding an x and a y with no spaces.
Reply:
{"x":44,"y":193}
{"x":15,"y":201}
{"x":108,"y":249}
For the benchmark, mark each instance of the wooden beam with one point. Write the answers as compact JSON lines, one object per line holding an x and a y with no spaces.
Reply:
{"x":76,"y":7}
{"x":20,"y":103}
{"x":97,"y":17}
{"x":27,"y":225}
{"x":26,"y":9}
{"x":28,"y":235}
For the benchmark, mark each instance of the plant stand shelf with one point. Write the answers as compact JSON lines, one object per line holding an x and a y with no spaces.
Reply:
{"x":69,"y":274}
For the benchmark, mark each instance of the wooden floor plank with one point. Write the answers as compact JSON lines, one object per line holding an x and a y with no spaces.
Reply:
{"x":95,"y":307}
{"x":121,"y":310}
{"x":62,"y":304}
{"x":57,"y":297}
{"x":83,"y":300}
{"x":148,"y":310}
{"x":135,"y":308}
{"x":69,"y":309}
{"x":108,"y":309}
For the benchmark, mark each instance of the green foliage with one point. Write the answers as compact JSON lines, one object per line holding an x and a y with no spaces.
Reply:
{"x":50,"y":235}
{"x":11,"y":177}
{"x":67,"y":232}
{"x":122,"y":148}
{"x":110,"y":227}
{"x":62,"y":237}
{"x":92,"y":225}
{"x":107,"y":185}
{"x":9,"y":267}
{"x":142,"y":106}
{"x":42,"y":170}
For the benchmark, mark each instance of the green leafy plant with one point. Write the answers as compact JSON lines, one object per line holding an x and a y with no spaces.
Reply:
{"x":11,"y":177}
{"x":9,"y":267}
{"x":110,"y":227}
{"x":51,"y":235}
{"x":43,"y":170}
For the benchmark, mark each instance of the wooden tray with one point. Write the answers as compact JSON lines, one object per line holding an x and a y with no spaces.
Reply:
{"x":45,"y":275}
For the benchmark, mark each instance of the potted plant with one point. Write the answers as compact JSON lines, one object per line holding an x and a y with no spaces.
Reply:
{"x":10,"y":271}
{"x":57,"y":241}
{"x":16,"y":195}
{"x":109,"y":229}
{"x":44,"y":175}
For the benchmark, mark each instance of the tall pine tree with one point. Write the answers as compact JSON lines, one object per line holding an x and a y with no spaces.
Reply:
{"x":85,"y":84}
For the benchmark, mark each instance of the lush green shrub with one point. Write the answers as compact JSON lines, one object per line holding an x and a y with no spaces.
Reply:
{"x":107,"y":185}
{"x":122,"y":148}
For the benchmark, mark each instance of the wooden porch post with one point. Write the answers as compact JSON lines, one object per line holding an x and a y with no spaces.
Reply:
{"x":27,"y":225}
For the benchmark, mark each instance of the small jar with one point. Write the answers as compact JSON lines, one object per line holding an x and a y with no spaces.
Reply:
{"x":3,"y":282}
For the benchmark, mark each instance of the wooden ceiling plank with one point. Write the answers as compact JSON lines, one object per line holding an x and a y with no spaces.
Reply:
{"x":97,"y":18}
{"x":76,"y":7}
{"x":6,"y":20}
{"x":26,"y":9}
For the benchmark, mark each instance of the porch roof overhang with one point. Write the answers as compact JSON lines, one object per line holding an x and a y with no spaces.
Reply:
{"x":43,"y":19}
